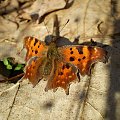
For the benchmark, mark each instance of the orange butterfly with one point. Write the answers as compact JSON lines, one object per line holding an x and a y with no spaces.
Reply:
{"x":59,"y":65}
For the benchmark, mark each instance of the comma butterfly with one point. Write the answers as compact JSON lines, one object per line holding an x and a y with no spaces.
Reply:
{"x":59,"y":65}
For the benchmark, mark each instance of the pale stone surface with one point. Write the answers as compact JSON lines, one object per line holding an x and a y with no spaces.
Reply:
{"x":99,"y":20}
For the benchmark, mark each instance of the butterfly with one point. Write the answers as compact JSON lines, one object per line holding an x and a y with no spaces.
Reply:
{"x":60,"y":66}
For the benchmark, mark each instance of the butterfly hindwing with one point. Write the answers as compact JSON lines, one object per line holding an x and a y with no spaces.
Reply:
{"x":34,"y":70}
{"x":64,"y":75}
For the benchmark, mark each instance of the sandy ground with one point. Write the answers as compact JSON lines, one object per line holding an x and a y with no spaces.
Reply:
{"x":99,"y":20}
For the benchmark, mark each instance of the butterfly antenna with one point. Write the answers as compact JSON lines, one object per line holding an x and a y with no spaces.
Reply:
{"x":65,"y":25}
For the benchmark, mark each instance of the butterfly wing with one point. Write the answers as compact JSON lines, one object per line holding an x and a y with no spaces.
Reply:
{"x":34,"y":47}
{"x":82,"y":56}
{"x":34,"y":70}
{"x":63,"y":76}
{"x":35,"y":58}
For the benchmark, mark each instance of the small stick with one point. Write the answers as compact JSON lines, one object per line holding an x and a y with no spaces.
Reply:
{"x":10,"y":79}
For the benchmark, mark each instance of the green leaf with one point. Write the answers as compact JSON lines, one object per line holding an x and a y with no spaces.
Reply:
{"x":9,"y":67}
{"x":19,"y":67}
{"x":5,"y":61}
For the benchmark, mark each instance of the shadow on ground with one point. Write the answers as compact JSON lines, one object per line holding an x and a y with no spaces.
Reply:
{"x":113,"y":105}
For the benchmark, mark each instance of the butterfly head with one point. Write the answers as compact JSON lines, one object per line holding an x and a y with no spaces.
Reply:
{"x":50,"y":39}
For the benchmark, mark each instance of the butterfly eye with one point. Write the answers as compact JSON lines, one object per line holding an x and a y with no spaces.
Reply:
{"x":48,"y":39}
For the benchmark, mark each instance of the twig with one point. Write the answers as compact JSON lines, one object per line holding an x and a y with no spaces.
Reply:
{"x":13,"y":102}
{"x":10,"y":79}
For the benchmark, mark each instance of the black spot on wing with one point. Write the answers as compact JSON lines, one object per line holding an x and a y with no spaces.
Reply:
{"x":35,"y":41}
{"x":63,"y":67}
{"x":36,"y":52}
{"x":72,"y":58}
{"x":79,"y":59}
{"x":70,"y":48}
{"x":71,"y":52}
{"x":67,"y":66}
{"x":83,"y":57}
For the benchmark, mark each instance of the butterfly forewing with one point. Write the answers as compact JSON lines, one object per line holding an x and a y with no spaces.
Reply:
{"x":34,"y":47}
{"x":82,"y":56}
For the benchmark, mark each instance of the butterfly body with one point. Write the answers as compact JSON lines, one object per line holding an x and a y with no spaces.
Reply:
{"x":51,"y":56}
{"x":60,"y":66}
